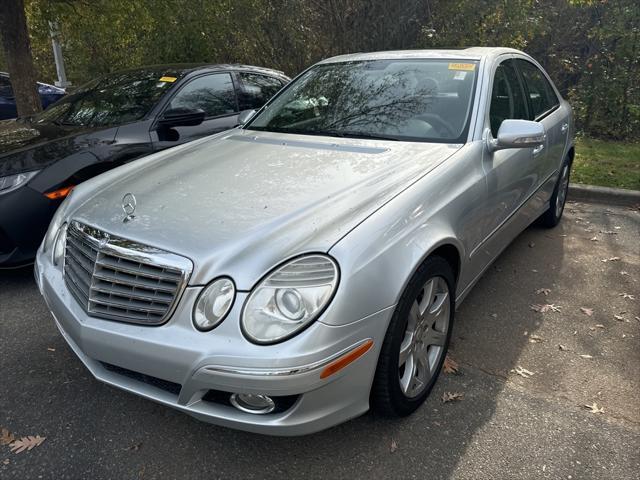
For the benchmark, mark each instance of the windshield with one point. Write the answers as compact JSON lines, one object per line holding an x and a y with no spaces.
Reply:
{"x":111,"y":100}
{"x":413,"y":100}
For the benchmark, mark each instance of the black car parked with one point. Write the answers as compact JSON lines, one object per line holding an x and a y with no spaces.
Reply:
{"x":110,"y":121}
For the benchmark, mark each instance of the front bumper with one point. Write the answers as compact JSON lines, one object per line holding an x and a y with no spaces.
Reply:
{"x":24,"y":217}
{"x":177,"y":365}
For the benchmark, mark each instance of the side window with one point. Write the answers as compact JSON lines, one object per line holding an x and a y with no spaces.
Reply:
{"x":542,"y":98}
{"x":257,"y":89}
{"x":212,"y":93}
{"x":507,"y":98}
{"x":5,"y":87}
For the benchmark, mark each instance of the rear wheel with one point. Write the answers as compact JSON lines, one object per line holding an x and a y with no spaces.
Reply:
{"x":552,"y":216}
{"x":416,"y":342}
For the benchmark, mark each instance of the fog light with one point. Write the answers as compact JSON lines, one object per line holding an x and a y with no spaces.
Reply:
{"x":250,"y":403}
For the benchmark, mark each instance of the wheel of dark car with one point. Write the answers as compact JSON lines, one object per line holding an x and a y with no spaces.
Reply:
{"x":416,"y":342}
{"x":552,"y":216}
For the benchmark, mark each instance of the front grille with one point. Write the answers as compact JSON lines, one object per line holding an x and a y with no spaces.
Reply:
{"x":121,"y":280}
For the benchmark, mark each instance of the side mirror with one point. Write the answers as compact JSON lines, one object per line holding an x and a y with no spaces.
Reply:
{"x":518,"y":134}
{"x":182,"y":117}
{"x":245,"y":116}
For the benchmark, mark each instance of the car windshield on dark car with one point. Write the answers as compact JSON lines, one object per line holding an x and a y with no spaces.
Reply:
{"x":111,"y":100}
{"x":412,"y":100}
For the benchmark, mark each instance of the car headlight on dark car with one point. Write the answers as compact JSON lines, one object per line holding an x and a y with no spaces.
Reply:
{"x":290,"y":298}
{"x":11,"y":182}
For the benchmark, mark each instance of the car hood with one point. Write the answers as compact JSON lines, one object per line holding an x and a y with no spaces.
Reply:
{"x":26,"y":146}
{"x":243,"y":202}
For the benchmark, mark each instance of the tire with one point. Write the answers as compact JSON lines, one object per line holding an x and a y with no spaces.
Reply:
{"x":398,"y":388}
{"x":552,"y":216}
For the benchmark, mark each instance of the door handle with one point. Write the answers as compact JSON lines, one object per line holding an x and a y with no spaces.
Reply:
{"x":565,"y":127}
{"x":538,"y":150}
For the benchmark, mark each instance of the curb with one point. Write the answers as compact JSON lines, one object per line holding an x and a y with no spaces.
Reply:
{"x":610,"y":196}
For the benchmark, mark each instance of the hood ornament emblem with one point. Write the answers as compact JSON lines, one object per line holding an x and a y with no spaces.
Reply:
{"x":104,"y":240}
{"x":128,"y":206}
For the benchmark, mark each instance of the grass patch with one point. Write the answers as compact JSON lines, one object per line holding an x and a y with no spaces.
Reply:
{"x":607,"y":163}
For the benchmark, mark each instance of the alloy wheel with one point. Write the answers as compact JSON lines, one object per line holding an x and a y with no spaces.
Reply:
{"x":424,"y":339}
{"x":563,"y":187}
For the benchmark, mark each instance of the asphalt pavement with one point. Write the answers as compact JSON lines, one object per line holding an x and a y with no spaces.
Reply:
{"x":552,"y":327}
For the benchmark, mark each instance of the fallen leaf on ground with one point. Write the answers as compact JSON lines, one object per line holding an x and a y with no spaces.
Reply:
{"x":26,"y":443}
{"x":610,"y":259}
{"x":594,"y":408}
{"x":450,"y":365}
{"x":587,"y":311}
{"x":523,"y":372}
{"x":549,"y":307}
{"x":6,"y":437}
{"x":562,"y":347}
{"x":627,"y":295}
{"x":452,"y":397}
{"x":586,"y":356}
{"x":545,"y":291}
{"x":535,"y":339}
{"x":394,"y":446}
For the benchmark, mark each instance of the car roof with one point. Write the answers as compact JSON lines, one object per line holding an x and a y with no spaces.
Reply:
{"x":469,"y":53}
{"x":184,"y":69}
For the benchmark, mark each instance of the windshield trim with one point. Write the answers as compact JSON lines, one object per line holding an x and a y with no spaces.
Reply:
{"x":462,"y":139}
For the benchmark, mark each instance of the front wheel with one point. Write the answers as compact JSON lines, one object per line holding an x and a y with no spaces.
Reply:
{"x":552,"y":216}
{"x":416,"y":342}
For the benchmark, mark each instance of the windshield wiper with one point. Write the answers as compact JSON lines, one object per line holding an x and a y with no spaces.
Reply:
{"x":325,"y":133}
{"x":350,"y":134}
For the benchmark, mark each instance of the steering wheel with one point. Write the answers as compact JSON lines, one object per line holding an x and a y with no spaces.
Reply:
{"x":441,"y":125}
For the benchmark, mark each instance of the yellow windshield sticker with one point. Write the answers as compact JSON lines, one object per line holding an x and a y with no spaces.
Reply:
{"x":468,"y":67}
{"x":168,"y":79}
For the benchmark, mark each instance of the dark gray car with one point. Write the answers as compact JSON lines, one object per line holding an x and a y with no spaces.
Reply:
{"x":106,"y":123}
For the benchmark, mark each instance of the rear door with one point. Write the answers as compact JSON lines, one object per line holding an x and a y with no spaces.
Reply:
{"x":215,"y":94}
{"x":544,"y":107}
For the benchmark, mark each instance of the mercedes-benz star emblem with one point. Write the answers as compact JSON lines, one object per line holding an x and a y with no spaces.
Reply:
{"x":128,"y":206}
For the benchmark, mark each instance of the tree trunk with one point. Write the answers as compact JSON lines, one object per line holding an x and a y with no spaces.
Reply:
{"x":17,"y":52}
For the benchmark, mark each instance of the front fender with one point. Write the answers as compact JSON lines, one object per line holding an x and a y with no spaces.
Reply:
{"x":378,"y":258}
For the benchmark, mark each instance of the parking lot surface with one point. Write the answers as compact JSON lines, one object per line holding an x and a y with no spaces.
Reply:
{"x":552,"y":327}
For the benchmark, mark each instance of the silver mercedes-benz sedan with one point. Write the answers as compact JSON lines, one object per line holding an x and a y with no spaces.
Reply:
{"x":289,"y":274}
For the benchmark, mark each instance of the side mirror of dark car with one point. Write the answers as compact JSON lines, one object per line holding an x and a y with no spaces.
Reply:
{"x":182,"y":117}
{"x":245,"y":116}
{"x":518,"y":134}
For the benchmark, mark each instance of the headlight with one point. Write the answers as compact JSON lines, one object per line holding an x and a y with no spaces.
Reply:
{"x":60,"y":245}
{"x":289,"y":299}
{"x":55,"y":224}
{"x":213,"y":304}
{"x":11,"y":182}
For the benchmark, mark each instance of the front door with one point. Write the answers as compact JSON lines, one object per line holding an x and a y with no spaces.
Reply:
{"x":213,"y":93}
{"x":513,"y":175}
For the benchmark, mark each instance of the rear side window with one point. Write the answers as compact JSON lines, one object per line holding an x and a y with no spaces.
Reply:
{"x":5,"y":87}
{"x":542,"y":98}
{"x":212,"y":93}
{"x":507,"y":97}
{"x":257,"y":89}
